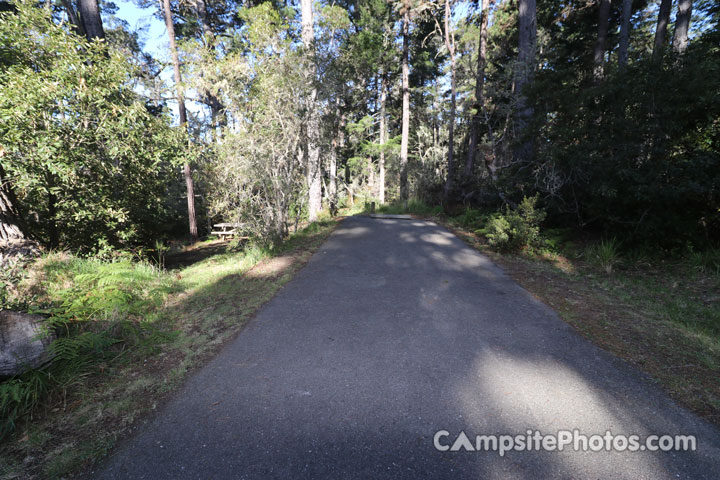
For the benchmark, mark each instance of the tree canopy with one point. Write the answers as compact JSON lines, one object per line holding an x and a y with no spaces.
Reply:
{"x":607,"y":111}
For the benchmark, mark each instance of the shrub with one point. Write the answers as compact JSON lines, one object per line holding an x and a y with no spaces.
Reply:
{"x":604,"y":255}
{"x":470,"y":217}
{"x":517,"y":228}
{"x":707,"y":261}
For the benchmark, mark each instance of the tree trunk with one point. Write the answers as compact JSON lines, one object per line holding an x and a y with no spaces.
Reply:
{"x":90,"y":18}
{"x":450,"y":45}
{"x":332,"y":173}
{"x":527,"y":37}
{"x":661,"y":28}
{"x":73,"y":18}
{"x":383,"y":137}
{"x":371,"y":174}
{"x":624,"y":34}
{"x":601,"y":43}
{"x":336,"y":143}
{"x":313,"y":170}
{"x":11,"y":225}
{"x":217,"y":115}
{"x":682,"y":26}
{"x":53,"y":232}
{"x":479,"y":87}
{"x":192,"y":221}
{"x":405,"y":130}
{"x":216,"y":107}
{"x":201,"y":10}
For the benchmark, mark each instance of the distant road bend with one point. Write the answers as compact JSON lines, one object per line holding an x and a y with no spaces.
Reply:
{"x":396,"y":330}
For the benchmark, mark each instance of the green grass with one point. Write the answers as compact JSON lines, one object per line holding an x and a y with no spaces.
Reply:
{"x":414,"y":207}
{"x":707,"y":261}
{"x":129,"y":332}
{"x":605,"y":254}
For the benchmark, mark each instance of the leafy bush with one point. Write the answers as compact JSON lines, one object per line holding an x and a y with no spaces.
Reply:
{"x":101,"y":169}
{"x":471,"y":218}
{"x":517,"y":228}
{"x":613,"y":158}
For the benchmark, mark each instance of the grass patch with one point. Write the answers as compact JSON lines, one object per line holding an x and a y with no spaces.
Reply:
{"x":605,"y":254}
{"x":414,"y":207}
{"x":130,"y":333}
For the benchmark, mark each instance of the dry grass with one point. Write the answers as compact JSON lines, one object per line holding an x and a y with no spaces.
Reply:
{"x":661,"y":317}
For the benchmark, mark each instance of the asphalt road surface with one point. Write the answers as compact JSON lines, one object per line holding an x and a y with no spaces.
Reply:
{"x":396,"y":330}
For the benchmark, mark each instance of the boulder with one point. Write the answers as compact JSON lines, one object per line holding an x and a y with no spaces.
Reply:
{"x":23,"y":344}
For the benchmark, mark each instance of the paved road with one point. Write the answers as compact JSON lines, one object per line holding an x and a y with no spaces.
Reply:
{"x":393,"y":331}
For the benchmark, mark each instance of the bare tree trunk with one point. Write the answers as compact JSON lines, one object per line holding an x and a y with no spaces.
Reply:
{"x":405,"y":130}
{"x":90,"y":18}
{"x":450,"y":45}
{"x":479,"y":87}
{"x":11,"y":224}
{"x":383,"y":137}
{"x":624,"y":34}
{"x":332,"y":173}
{"x":216,"y":107}
{"x":527,"y":38}
{"x":332,"y":190}
{"x":661,"y":28}
{"x":600,"y":44}
{"x":682,"y":26}
{"x":313,"y":171}
{"x":183,"y":116}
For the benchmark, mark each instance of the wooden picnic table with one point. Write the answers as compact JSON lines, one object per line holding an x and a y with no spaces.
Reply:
{"x":227,"y":230}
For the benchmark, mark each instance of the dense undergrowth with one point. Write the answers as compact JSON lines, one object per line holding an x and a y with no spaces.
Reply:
{"x":98,"y":309}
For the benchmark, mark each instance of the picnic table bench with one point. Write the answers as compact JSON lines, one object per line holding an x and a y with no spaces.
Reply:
{"x":227,"y":230}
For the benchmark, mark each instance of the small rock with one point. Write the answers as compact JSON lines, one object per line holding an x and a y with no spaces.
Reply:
{"x":23,"y":345}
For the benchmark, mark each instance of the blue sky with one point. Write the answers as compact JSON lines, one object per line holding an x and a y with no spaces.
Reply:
{"x":153,"y":35}
{"x":152,"y":30}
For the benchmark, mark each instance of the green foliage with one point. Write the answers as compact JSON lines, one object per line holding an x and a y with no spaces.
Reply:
{"x":415,"y":206}
{"x":517,"y":228}
{"x":604,"y":254}
{"x":637,"y":155}
{"x":706,"y":261}
{"x":105,"y":310}
{"x":557,"y":239}
{"x":12,"y":271}
{"x":96,"y":308}
{"x":119,"y":291}
{"x":19,"y":396}
{"x":257,"y":177}
{"x":85,"y":154}
{"x":471,"y":218}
